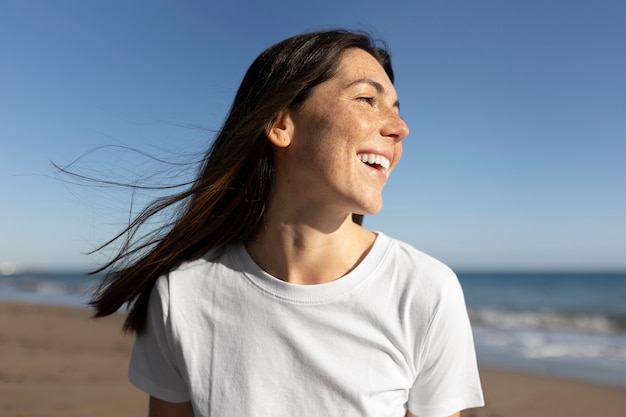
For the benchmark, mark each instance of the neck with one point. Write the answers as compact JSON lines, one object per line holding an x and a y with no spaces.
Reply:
{"x":301,"y":253}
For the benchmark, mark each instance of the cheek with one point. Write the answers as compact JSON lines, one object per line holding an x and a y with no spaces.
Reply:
{"x":331,"y":134}
{"x":397,"y":153}
{"x":331,"y":130}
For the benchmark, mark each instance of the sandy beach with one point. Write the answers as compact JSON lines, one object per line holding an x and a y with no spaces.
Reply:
{"x":58,"y":361}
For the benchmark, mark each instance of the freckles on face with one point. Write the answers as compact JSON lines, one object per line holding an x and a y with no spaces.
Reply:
{"x":328,"y":136}
{"x":347,"y":136}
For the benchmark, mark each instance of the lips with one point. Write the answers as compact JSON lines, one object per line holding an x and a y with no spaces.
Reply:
{"x":377,"y":161}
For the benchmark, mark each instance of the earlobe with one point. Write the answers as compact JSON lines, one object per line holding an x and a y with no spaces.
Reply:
{"x":280,"y":131}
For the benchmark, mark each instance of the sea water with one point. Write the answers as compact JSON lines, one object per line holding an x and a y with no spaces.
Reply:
{"x":563,"y":324}
{"x":62,"y":288}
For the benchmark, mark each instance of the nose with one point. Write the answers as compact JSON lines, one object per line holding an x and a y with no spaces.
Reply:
{"x":395,"y":127}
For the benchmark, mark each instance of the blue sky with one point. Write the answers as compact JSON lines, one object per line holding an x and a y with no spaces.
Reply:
{"x":517,"y":153}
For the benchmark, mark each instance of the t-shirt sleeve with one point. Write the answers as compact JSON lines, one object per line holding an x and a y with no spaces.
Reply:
{"x":154,"y":366}
{"x":447,"y":380}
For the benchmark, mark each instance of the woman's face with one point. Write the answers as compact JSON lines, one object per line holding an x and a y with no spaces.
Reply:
{"x":345,"y":139}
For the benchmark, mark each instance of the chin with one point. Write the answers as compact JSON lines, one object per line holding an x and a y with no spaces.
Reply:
{"x":370,"y":209}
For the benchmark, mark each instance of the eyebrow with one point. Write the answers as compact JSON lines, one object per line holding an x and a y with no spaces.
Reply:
{"x":378,"y":86}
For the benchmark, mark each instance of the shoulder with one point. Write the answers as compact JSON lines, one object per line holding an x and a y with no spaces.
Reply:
{"x":421,"y":281}
{"x":183,"y":296}
{"x":190,"y":278}
{"x":417,"y":265}
{"x":190,"y":271}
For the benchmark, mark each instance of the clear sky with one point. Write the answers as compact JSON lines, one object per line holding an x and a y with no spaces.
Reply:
{"x":517,"y":153}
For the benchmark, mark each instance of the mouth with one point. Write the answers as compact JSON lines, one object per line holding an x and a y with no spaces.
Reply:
{"x":375,"y":161}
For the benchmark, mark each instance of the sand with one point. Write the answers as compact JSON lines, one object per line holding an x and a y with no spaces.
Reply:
{"x":57,"y":361}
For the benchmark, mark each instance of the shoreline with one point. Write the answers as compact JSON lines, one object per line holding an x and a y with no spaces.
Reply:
{"x":73,"y":365}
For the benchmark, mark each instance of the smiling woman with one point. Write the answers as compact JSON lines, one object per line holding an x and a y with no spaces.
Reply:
{"x":266,"y":296}
{"x":320,"y":145}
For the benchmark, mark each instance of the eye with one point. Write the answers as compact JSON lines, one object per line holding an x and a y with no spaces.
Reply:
{"x":367,"y":99}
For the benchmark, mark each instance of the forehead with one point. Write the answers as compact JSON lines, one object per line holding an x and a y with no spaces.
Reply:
{"x":361,"y":64}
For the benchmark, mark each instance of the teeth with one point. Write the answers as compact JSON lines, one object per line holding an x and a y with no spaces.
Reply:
{"x":371,"y":159}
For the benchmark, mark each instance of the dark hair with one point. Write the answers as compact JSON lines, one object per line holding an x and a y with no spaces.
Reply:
{"x":226,"y":202}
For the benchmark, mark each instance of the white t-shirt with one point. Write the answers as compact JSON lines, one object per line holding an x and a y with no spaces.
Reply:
{"x":391,"y":335}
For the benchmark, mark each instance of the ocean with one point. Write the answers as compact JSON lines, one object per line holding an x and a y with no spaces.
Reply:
{"x":570,"y":325}
{"x":562,"y":324}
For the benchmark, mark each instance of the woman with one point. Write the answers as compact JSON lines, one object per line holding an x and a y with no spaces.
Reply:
{"x":265,"y":296}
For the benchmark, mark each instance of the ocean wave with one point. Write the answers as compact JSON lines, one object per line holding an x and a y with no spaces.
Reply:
{"x":599,"y":357}
{"x":549,"y":320}
{"x":41,"y":286}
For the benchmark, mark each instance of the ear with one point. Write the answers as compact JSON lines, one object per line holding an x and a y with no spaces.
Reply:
{"x":281,"y":130}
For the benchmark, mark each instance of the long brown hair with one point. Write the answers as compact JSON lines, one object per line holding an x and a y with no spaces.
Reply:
{"x":227,"y":200}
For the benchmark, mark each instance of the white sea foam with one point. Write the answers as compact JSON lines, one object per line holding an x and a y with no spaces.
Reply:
{"x":566,"y":352}
{"x":503,"y":319}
